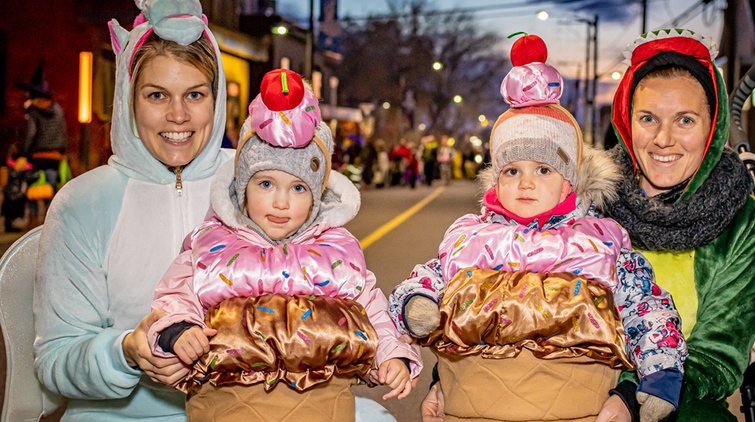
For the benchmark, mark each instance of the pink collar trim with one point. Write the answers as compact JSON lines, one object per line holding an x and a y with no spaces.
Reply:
{"x":491,"y":202}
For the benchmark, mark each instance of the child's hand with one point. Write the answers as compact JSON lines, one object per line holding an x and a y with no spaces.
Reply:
{"x":395,"y":374}
{"x":193,"y":343}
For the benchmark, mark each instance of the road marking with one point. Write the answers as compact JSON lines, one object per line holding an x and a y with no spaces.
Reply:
{"x":396,"y":221}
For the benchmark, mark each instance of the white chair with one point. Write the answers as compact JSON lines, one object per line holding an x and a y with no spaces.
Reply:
{"x":25,"y":398}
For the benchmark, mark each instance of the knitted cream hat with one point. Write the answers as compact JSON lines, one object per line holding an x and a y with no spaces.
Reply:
{"x":286,"y":134}
{"x":536,"y":127}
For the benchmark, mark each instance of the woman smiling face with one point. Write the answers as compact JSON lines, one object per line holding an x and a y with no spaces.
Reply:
{"x":670,"y":126}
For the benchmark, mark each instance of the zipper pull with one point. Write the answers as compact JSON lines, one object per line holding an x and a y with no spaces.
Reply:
{"x":179,"y":184}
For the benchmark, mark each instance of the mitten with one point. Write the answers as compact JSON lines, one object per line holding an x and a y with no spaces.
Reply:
{"x":421,"y":316}
{"x":653,"y":408}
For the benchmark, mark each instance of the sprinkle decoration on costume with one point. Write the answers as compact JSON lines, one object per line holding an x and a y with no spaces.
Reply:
{"x":264,"y":337}
{"x":217,"y":248}
{"x":354,"y":267}
{"x":303,"y":337}
{"x":592,"y":319}
{"x":593,"y":245}
{"x":285,"y":249}
{"x":341,"y":321}
{"x":489,"y":251}
{"x":466,"y":304}
{"x":230,"y":261}
{"x":226,"y":280}
{"x":581,"y":249}
{"x":264,"y":309}
{"x":203,"y":231}
{"x":524,"y":290}
{"x":306,"y":315}
{"x":234,"y":351}
{"x":322,"y":283}
{"x":314,"y":252}
{"x":535,"y":252}
{"x":361,"y":334}
{"x":490,"y":305}
{"x":519,"y":237}
{"x":459,"y":240}
{"x":506,"y":321}
{"x":575,"y":324}
{"x":335,"y":264}
{"x":338,"y":348}
{"x":577,"y":287}
{"x":543,"y":311}
{"x":214,"y":362}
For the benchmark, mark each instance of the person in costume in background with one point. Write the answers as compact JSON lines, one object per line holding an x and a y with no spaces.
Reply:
{"x":540,"y":274}
{"x":276,"y":282}
{"x":45,"y":137}
{"x":685,"y":201}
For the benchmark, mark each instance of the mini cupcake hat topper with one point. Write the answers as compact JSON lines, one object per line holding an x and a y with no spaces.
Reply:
{"x":284,"y":113}
{"x":531,"y":82}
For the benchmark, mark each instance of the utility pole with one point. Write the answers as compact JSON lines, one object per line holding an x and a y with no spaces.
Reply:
{"x":644,"y":16}
{"x":310,"y":44}
{"x":594,"y":78}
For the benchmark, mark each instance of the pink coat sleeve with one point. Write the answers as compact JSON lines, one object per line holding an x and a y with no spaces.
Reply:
{"x":175,"y":294}
{"x":389,"y":346}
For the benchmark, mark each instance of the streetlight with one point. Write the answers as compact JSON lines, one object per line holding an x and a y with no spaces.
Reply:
{"x":457,"y":98}
{"x":437,"y":66}
{"x":590,"y":108}
{"x":616,"y":76}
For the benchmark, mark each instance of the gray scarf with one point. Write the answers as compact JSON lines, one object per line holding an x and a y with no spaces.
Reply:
{"x":686,"y":225}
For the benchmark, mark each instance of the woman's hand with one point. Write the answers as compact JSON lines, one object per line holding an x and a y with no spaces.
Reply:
{"x":137,"y":352}
{"x":614,"y":410}
{"x":433,"y":406}
{"x":395,"y":374}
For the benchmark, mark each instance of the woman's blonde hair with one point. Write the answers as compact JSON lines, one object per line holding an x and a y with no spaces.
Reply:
{"x":199,"y":54}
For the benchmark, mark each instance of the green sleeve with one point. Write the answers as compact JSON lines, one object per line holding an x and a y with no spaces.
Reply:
{"x":721,"y":340}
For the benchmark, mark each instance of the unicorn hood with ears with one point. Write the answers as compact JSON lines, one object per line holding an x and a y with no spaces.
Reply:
{"x":180,"y":21}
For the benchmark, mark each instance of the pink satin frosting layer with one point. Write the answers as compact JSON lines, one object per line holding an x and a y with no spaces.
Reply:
{"x":532,"y":84}
{"x":588,"y":248}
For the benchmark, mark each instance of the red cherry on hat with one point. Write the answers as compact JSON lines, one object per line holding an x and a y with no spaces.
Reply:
{"x":528,"y":49}
{"x":281,"y":89}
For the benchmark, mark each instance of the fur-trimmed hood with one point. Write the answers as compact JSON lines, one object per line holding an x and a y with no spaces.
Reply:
{"x":597,"y":178}
{"x":339,"y":204}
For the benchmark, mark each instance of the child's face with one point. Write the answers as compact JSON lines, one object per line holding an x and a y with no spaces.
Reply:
{"x":529,"y":188}
{"x":278,"y":202}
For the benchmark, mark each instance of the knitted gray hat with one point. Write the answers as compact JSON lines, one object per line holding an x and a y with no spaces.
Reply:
{"x":284,"y":133}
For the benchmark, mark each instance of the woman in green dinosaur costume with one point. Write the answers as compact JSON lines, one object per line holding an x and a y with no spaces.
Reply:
{"x":686,"y":204}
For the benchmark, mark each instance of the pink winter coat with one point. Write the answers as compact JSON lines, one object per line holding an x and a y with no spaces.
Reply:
{"x":224,"y":259}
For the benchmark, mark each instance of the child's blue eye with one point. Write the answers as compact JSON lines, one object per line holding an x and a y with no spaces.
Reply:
{"x":300,"y":188}
{"x":266,"y":184}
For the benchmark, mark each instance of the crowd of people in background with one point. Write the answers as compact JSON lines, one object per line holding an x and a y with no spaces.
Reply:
{"x":377,"y":164}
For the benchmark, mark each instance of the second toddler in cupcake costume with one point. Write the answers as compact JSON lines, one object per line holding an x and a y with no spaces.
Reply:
{"x":271,"y":289}
{"x":529,"y":297}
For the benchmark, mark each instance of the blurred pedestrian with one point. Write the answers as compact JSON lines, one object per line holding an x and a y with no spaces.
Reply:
{"x":383,"y":164}
{"x":44,"y":140}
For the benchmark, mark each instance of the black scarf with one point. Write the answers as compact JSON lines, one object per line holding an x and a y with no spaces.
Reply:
{"x":654,"y":225}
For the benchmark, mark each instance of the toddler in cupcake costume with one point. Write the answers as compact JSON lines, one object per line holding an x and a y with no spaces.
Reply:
{"x":539,"y":299}
{"x":271,"y":301}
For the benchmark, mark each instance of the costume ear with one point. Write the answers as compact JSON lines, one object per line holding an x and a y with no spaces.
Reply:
{"x":118,"y":36}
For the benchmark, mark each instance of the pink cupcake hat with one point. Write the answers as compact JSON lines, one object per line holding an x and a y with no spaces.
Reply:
{"x":531,"y":82}
{"x":285,"y":113}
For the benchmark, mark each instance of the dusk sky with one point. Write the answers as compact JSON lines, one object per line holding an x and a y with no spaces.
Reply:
{"x":619,"y":23}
